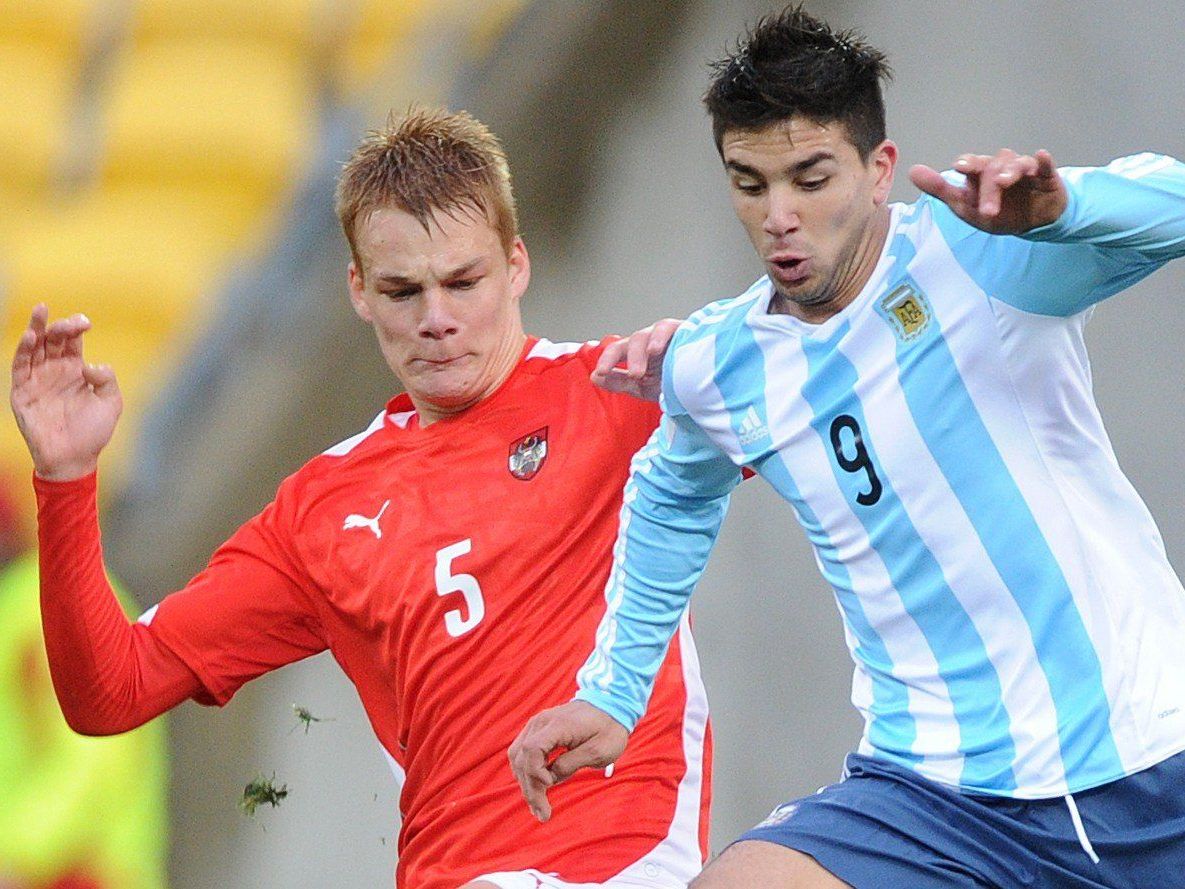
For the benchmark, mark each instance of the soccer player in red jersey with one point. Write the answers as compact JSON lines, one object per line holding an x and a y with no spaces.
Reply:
{"x":452,"y":556}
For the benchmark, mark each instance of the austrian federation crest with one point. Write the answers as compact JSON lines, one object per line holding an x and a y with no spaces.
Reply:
{"x":528,"y":454}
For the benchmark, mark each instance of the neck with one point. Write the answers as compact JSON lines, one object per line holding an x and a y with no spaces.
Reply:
{"x":850,"y":279}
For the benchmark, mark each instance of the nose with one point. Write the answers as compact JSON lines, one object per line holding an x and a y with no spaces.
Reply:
{"x":437,"y":320}
{"x":781,"y":214}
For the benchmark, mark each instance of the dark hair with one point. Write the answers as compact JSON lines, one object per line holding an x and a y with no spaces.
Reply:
{"x":791,"y":64}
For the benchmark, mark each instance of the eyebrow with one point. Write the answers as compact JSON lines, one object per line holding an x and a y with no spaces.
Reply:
{"x":794,"y":169}
{"x":458,"y":272}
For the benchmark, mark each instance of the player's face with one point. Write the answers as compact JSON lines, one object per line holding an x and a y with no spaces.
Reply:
{"x":444,"y":303}
{"x":815,"y":212}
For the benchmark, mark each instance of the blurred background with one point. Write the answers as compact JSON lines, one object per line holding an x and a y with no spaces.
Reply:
{"x":167,"y":167}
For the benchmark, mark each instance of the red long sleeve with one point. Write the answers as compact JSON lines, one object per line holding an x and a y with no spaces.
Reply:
{"x":110,"y":676}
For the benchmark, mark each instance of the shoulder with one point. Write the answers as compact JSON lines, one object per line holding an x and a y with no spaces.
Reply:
{"x":722,"y":315}
{"x":702,"y":341}
{"x":1132,"y":166}
{"x":347,"y":446}
{"x":561,"y":373}
{"x":545,"y":355}
{"x":325,"y":470}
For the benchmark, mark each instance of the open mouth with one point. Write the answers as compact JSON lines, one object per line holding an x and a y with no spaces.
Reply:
{"x":791,"y":270}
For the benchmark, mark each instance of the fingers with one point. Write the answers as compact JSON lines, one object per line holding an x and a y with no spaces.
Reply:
{"x":64,"y":338}
{"x":613,"y":355}
{"x":617,"y":380}
{"x":22,"y":359}
{"x":930,"y":181}
{"x":37,"y":325}
{"x":528,"y":761}
{"x":1000,"y":173}
{"x":101,"y":379}
{"x":661,"y":334}
{"x":591,"y":754}
{"x":42,"y":341}
{"x":39,"y":318}
{"x":1002,"y":193}
{"x":628,"y":357}
{"x":583,"y":735}
{"x":638,"y":354}
{"x":1046,"y":168}
{"x":634,"y":365}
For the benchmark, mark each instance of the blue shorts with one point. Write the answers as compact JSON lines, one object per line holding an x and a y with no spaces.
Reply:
{"x":885,"y":826}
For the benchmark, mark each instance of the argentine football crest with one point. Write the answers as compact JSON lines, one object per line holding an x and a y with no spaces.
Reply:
{"x":908,"y":311}
{"x":528,"y":454}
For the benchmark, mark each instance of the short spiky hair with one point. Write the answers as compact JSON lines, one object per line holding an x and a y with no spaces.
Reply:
{"x":425,"y":161}
{"x":793,"y":64}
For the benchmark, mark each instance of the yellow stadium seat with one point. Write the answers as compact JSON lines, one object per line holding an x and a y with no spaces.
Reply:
{"x":36,"y":91}
{"x":232,"y":112}
{"x":391,"y":38}
{"x":121,"y":264}
{"x":64,"y":24}
{"x":378,"y":30}
{"x":18,"y":206}
{"x":302,"y":24}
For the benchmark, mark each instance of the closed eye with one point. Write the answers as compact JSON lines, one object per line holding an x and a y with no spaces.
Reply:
{"x":400,"y":294}
{"x":748,"y":187}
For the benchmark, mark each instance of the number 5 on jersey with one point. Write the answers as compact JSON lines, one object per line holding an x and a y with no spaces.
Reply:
{"x":455,"y":621}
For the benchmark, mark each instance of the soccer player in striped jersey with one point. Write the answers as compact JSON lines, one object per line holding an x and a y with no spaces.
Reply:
{"x":912,"y":379}
{"x":452,"y":556}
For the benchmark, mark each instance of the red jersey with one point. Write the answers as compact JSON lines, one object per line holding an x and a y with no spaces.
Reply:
{"x":457,"y":573}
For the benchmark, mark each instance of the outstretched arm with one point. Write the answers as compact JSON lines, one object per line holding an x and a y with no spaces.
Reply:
{"x":1084,"y":233}
{"x":244,"y":615}
{"x":674,"y":503}
{"x":109,"y":676}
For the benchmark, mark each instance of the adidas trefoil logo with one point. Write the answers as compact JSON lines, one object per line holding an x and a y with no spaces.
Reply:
{"x":751,"y":428}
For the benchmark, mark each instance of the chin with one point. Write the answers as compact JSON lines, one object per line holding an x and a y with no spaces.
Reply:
{"x":450,"y":396}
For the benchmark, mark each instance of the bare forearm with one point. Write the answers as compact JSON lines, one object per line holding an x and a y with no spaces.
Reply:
{"x":110,"y":676}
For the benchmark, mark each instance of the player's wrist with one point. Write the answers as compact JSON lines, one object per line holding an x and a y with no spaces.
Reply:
{"x":65,"y":472}
{"x":607,"y":707}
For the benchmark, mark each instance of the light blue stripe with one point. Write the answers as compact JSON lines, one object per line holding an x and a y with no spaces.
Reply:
{"x":958,"y":649}
{"x":962,"y":447}
{"x":1045,"y":279}
{"x":707,"y":321}
{"x":892,"y":729}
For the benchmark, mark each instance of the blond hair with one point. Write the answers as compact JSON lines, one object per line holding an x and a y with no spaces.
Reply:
{"x":425,"y":161}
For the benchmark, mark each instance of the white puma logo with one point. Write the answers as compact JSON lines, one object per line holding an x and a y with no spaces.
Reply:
{"x":353,"y":520}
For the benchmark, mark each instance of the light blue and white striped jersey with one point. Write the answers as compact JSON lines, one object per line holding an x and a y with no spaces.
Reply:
{"x":1015,"y":625}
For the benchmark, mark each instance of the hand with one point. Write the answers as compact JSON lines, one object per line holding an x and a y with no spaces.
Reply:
{"x":642,"y":353}
{"x":593,"y":739}
{"x":1005,"y":194}
{"x":66,"y":409}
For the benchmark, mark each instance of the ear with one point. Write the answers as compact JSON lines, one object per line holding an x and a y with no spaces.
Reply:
{"x":884,"y":161}
{"x":520,"y":268}
{"x":357,"y":300}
